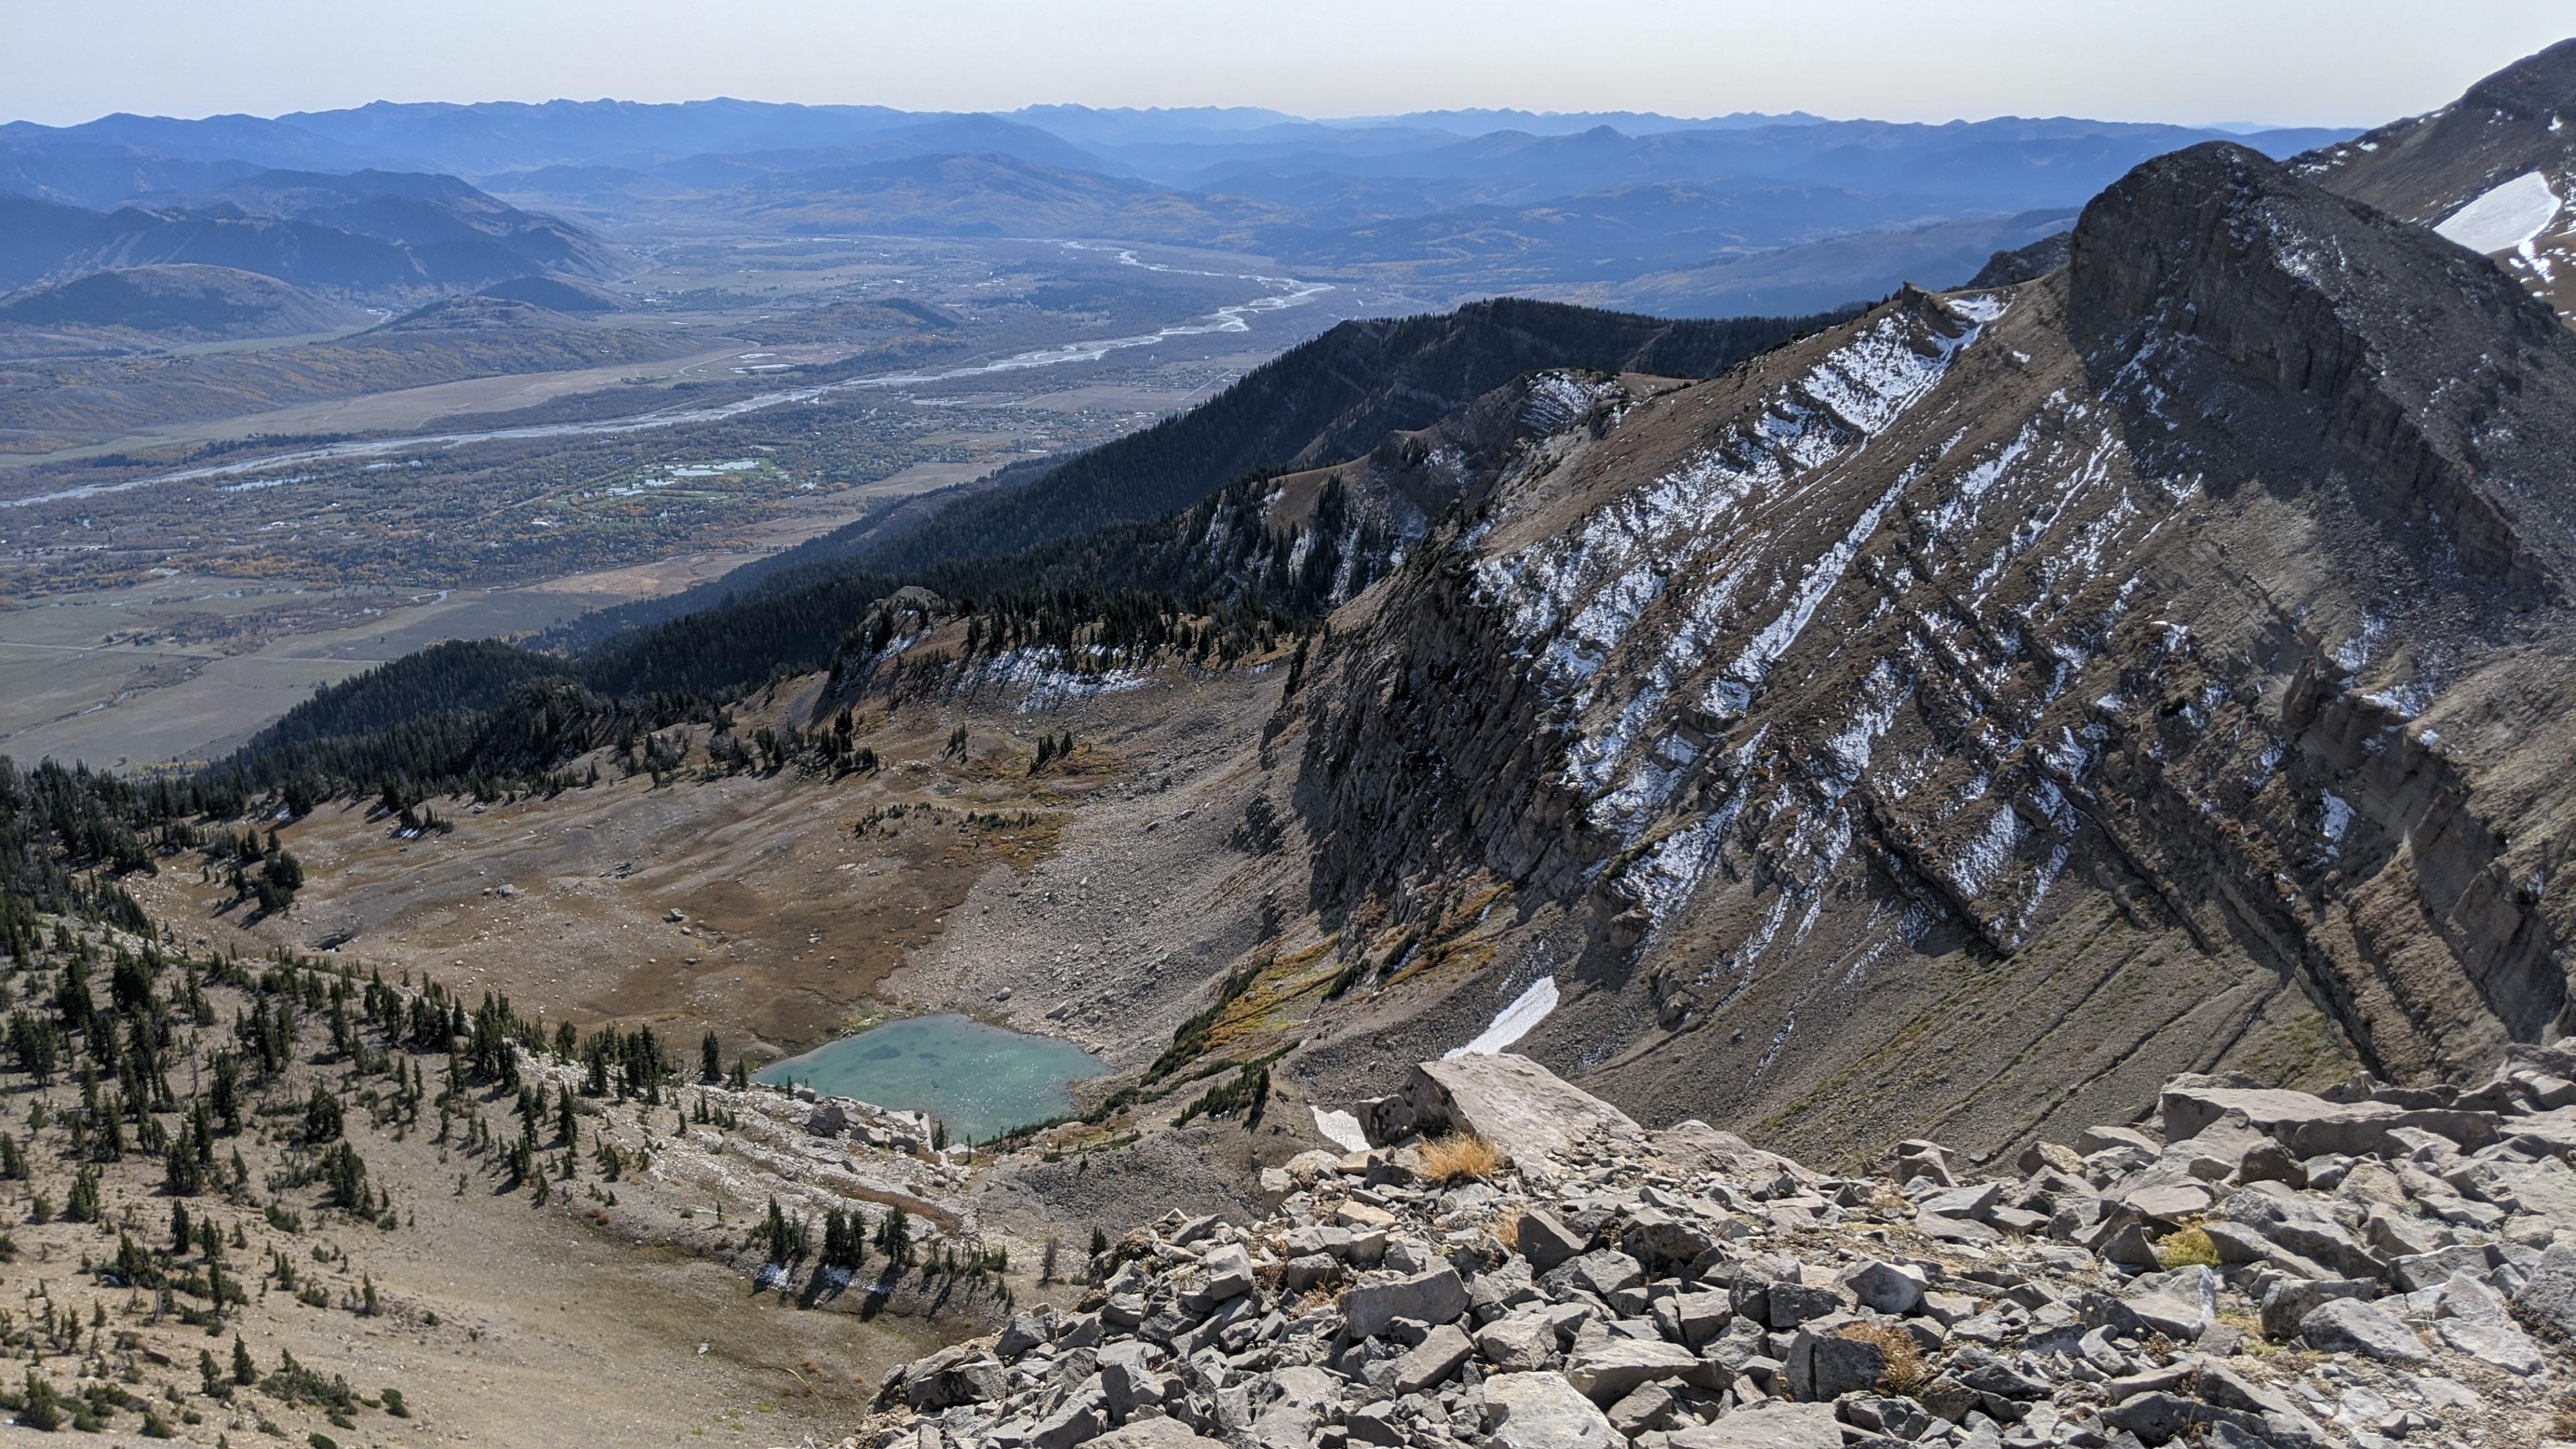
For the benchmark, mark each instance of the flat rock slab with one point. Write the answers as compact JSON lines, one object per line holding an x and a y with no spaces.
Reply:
{"x":2349,"y":1325}
{"x":1605,"y":1371}
{"x":1543,"y":1411}
{"x":1770,"y":1426}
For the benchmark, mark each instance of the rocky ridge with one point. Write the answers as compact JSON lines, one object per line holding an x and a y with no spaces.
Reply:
{"x":2255,"y":1267}
{"x":2493,"y":171}
{"x":2008,"y":701}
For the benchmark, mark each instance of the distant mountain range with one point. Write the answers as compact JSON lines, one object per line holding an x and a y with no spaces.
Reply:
{"x":179,"y":302}
{"x":1630,"y":207}
{"x":365,"y":231}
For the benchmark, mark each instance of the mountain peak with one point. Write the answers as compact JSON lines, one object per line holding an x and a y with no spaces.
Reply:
{"x":2540,"y":84}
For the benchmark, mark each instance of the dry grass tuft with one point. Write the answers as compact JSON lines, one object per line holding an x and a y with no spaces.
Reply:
{"x":2185,"y":1249}
{"x":1906,"y":1372}
{"x":1460,"y":1157}
{"x":1507,"y":1231}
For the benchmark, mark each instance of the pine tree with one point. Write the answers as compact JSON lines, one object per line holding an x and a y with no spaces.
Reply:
{"x":775,"y":1230}
{"x":216,"y":1385}
{"x":710,"y":1068}
{"x":322,"y":1115}
{"x":244,"y":1371}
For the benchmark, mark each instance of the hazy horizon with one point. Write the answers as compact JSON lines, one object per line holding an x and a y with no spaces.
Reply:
{"x":2197,"y":62}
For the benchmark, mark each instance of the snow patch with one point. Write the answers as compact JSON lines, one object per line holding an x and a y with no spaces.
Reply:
{"x":1513,"y":1022}
{"x":2505,"y":219}
{"x":2337,"y":819}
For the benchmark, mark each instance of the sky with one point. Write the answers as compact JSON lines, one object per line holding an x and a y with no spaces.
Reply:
{"x":2282,"y":62}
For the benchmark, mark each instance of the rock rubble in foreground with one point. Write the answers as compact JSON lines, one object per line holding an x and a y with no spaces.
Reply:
{"x":2263,"y":1268}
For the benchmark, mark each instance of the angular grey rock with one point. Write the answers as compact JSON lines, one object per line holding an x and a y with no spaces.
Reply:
{"x":1545,"y":1241}
{"x":1791,"y":1304}
{"x":1606,"y":1369}
{"x":2223,"y":1386}
{"x":2312,"y":1126}
{"x":1885,"y":1287}
{"x":1543,"y":1411}
{"x":1963,"y":1202}
{"x":2305,"y":1226}
{"x":1662,"y":1242}
{"x":2548,"y":1294}
{"x":1026,"y":1331}
{"x":2165,"y":1199}
{"x":2237,"y":1243}
{"x":1229,"y":1271}
{"x":953,"y":1376}
{"x":2155,"y":1417}
{"x":1303,"y":1273}
{"x":1127,"y":1381}
{"x":2492,"y":1339}
{"x":1434,"y":1297}
{"x":1076,"y":1421}
{"x":2099,"y":1139}
{"x":1838,"y":1366}
{"x":2182,"y":1304}
{"x":1434,"y":1359}
{"x":1645,"y":1408}
{"x":1699,"y":1317}
{"x":1524,"y":1343}
{"x":2287,"y":1304}
{"x":1156,"y":1433}
{"x":1767,"y":1426}
{"x":2350,"y":1325}
{"x":2419,"y":1271}
{"x":1605,"y":1271}
{"x":1954,"y":1230}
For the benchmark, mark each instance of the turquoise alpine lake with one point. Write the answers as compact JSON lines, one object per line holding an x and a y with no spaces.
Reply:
{"x":979,"y":1080}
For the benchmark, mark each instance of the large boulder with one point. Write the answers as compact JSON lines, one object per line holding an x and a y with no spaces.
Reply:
{"x":1512,"y":1102}
{"x":1543,"y":1411}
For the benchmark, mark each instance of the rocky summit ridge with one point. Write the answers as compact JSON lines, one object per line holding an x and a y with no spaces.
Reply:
{"x":2493,"y":171}
{"x":2256,"y":1267}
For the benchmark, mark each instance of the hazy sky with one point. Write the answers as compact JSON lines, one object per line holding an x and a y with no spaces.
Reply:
{"x":2273,"y":61}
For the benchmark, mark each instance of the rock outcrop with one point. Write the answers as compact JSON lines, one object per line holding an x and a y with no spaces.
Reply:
{"x":1614,"y":1288}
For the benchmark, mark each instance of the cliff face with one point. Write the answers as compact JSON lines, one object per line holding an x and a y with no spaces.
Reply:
{"x":2002,"y":702}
